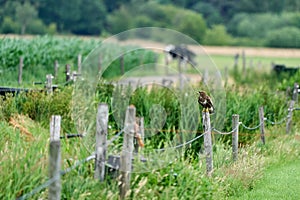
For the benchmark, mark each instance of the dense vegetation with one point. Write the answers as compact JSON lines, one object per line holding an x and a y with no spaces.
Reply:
{"x":24,"y":126}
{"x":272,"y":23}
{"x":40,"y":54}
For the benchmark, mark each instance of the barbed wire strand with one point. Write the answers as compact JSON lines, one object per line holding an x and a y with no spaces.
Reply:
{"x":251,"y":128}
{"x":92,"y":156}
{"x":278,"y":122}
{"x":115,"y":137}
{"x":183,"y":144}
{"x":52,"y":180}
{"x":226,"y":133}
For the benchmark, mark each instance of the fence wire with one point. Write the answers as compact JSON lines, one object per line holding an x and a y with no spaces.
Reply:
{"x":115,"y":137}
{"x":278,"y":122}
{"x":92,"y":156}
{"x":183,"y":144}
{"x":251,"y":128}
{"x":52,"y":180}
{"x":227,"y":133}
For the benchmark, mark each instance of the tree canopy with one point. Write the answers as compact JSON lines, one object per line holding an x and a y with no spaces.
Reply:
{"x":254,"y":20}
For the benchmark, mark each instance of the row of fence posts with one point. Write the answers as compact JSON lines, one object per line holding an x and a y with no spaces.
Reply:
{"x":235,"y":130}
{"x":126,"y":158}
{"x":131,"y":123}
{"x":69,"y":75}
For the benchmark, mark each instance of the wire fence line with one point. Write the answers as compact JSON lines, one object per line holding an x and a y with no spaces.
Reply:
{"x":251,"y":128}
{"x":69,"y":169}
{"x":183,"y":144}
{"x":278,"y":122}
{"x":227,"y":133}
{"x":115,"y":137}
{"x":52,"y":180}
{"x":93,"y":155}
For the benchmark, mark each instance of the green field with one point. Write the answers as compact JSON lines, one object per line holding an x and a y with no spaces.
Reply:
{"x":256,"y":62}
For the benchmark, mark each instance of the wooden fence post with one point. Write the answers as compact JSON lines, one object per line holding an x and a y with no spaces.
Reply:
{"x":127,"y":150}
{"x":101,"y":138}
{"x":68,"y":72}
{"x":262,"y":124}
{"x":49,"y":83}
{"x":244,"y":62}
{"x":79,"y":63}
{"x":166,"y":64}
{"x":20,"y":70}
{"x":207,"y":142}
{"x":226,"y":75}
{"x":181,"y":82}
{"x":236,"y":62}
{"x":295,"y":92}
{"x":205,"y":77}
{"x":288,"y":93}
{"x":55,"y":158}
{"x":289,"y":117}
{"x":235,"y":136}
{"x":139,"y":133}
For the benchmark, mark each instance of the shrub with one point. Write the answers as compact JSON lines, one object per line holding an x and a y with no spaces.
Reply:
{"x":288,"y":37}
{"x":217,"y":35}
{"x":52,"y":28}
{"x":36,"y":27}
{"x":9,"y":26}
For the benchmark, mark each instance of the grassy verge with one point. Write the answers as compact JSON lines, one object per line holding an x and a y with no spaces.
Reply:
{"x":279,"y":182}
{"x":280,"y":174}
{"x":24,"y":163}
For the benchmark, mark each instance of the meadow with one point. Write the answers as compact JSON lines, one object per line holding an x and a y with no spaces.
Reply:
{"x":25,"y":127}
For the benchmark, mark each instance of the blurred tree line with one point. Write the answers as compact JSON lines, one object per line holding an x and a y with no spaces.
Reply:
{"x":274,"y":23}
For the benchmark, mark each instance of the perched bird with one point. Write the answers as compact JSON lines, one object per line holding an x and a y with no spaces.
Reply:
{"x":205,"y":101}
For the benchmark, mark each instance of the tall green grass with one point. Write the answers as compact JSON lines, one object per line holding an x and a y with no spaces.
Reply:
{"x":24,"y":167}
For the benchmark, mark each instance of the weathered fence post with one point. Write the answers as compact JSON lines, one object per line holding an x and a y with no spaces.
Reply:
{"x":20,"y":70}
{"x":122,"y":65}
{"x":236,"y":62}
{"x":181,"y":83}
{"x":79,"y":63}
{"x":68,"y":72}
{"x":55,"y":68}
{"x":295,"y":92}
{"x":207,"y":142}
{"x":288,"y":93}
{"x":101,"y":137}
{"x":235,"y":136}
{"x":205,"y":77}
{"x":139,"y":138}
{"x":262,"y":124}
{"x":49,"y":83}
{"x":127,"y":150}
{"x":226,"y":75}
{"x":289,"y":117}
{"x":244,"y":62}
{"x":166,"y":64}
{"x":55,"y":158}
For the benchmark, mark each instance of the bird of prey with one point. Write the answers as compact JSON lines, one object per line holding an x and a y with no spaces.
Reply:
{"x":205,"y":101}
